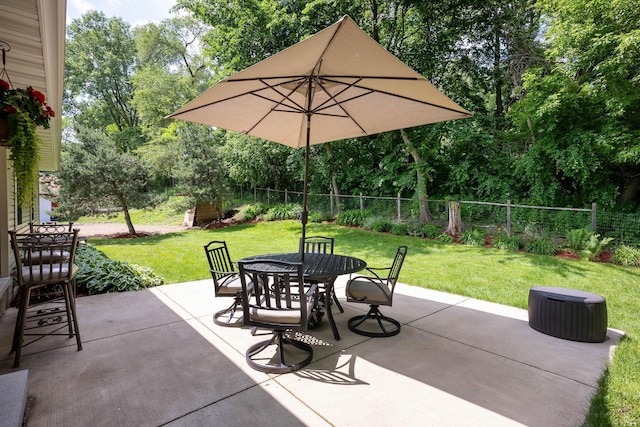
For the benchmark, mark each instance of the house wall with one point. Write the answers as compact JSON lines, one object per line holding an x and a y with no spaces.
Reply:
{"x":11,"y":218}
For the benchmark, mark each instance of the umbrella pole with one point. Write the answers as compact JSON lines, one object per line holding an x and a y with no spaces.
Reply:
{"x":305,"y":212}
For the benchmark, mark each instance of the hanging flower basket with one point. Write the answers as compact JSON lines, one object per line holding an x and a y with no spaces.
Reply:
{"x":4,"y":129}
{"x":21,"y":112}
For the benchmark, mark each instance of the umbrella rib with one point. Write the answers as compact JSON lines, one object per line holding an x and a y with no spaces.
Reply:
{"x":323,"y":106}
{"x":395,"y":95}
{"x":249,"y":92}
{"x":277,"y":103}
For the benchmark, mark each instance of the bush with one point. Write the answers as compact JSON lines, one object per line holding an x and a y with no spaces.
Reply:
{"x":445,"y":238}
{"x":98,"y":274}
{"x":283,"y":211}
{"x":378,"y":224}
{"x":352,"y":218}
{"x":400,"y":229}
{"x":316,"y":217}
{"x":512,"y":243}
{"x":251,"y":212}
{"x":541,"y":246}
{"x":594,"y":247}
{"x":627,"y":256}
{"x":473,"y":237}
{"x":432,"y":231}
{"x":577,"y":239}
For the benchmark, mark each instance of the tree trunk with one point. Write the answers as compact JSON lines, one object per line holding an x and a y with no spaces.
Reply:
{"x":455,"y":225}
{"x":630,"y":190}
{"x":421,"y":182}
{"x":125,"y":211}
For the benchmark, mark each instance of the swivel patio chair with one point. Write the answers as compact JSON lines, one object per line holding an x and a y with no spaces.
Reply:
{"x":375,"y":291}
{"x":44,"y":261}
{"x":285,"y":306}
{"x":226,"y":282}
{"x":323,"y":245}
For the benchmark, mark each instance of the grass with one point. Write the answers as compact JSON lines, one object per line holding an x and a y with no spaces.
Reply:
{"x":485,"y":273}
{"x":159,"y":216}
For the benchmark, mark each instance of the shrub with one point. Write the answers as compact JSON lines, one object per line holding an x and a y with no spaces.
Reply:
{"x":541,"y":246}
{"x":594,"y":247}
{"x":627,"y":256}
{"x":577,"y":239}
{"x":283,"y":211}
{"x":316,"y":217}
{"x":445,"y":238}
{"x":251,"y":212}
{"x":97,"y":274}
{"x":432,"y":231}
{"x":381,"y":225}
{"x":473,"y":237}
{"x":353,"y":218}
{"x":512,"y":243}
{"x":415,"y":229}
{"x":400,"y":229}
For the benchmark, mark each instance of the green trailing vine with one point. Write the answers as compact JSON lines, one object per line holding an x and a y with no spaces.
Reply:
{"x":25,"y":155}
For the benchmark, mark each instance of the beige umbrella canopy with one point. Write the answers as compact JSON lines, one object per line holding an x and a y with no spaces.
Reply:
{"x":336,"y":84}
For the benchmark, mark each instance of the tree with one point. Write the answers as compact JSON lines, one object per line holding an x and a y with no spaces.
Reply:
{"x":100,"y":60}
{"x":199,"y":166}
{"x":94,"y":173}
{"x":583,"y":106}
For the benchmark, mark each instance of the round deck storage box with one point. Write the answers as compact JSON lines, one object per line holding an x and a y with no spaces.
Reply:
{"x":568,"y":313}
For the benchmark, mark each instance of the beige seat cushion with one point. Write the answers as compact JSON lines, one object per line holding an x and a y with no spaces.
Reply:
{"x":374,"y":292}
{"x":282,"y":316}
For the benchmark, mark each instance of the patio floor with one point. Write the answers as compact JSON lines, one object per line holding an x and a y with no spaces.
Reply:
{"x":154,"y":357}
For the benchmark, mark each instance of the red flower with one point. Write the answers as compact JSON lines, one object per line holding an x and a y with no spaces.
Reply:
{"x":50,"y":112}
{"x":10,"y":109}
{"x":4,"y":85}
{"x":36,"y":94}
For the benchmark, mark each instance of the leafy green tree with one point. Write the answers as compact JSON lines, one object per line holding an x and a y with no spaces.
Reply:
{"x":580,"y":114}
{"x":95,"y":173}
{"x":100,"y":60}
{"x":199,"y":167}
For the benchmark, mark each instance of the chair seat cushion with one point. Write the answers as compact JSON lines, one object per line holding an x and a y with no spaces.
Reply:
{"x":370,"y":291}
{"x":231,"y":285}
{"x":36,"y":274}
{"x":280,"y":316}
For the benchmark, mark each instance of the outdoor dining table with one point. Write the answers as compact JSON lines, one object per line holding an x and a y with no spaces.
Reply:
{"x":319,"y":267}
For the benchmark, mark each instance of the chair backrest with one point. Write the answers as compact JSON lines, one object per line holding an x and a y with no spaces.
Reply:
{"x":317,"y":245}
{"x":50,"y":227}
{"x":220,"y":264}
{"x":284,"y":302}
{"x":44,"y":258}
{"x":394,"y":271}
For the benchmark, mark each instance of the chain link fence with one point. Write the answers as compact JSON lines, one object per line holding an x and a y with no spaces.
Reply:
{"x":495,"y":218}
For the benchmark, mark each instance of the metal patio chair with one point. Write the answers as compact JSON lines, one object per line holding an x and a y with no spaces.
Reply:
{"x":226,"y":282}
{"x":285,"y":306}
{"x":375,"y":291}
{"x":45,"y":265}
{"x":322,"y":245}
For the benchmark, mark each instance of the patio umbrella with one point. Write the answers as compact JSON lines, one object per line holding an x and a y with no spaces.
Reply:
{"x":337,"y":84}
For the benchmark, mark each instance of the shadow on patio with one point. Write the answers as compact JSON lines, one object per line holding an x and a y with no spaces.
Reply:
{"x":154,"y":357}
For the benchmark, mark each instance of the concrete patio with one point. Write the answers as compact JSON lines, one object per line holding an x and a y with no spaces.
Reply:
{"x":154,"y":358}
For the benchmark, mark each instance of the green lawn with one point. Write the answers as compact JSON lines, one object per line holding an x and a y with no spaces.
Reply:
{"x":484,"y":273}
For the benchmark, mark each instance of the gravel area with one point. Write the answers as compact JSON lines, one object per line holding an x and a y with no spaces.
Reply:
{"x":117,"y":229}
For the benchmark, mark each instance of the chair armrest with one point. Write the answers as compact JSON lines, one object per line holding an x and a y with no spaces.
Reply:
{"x":371,"y":270}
